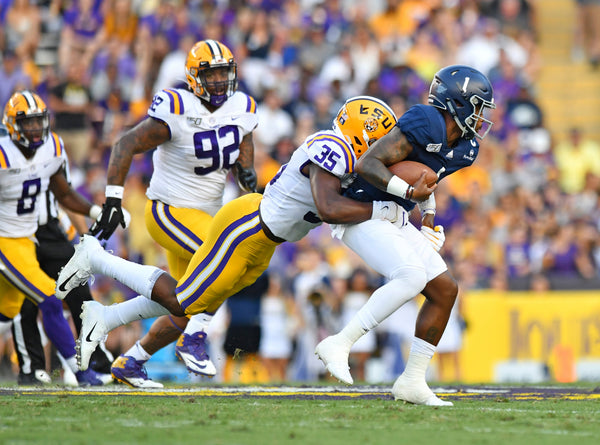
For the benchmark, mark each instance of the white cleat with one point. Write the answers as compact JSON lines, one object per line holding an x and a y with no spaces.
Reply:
{"x":93,"y":331}
{"x":334,"y":354}
{"x":416,"y":392}
{"x":78,"y":270}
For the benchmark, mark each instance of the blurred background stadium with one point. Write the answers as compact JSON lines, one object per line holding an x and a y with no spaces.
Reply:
{"x":522,"y":223}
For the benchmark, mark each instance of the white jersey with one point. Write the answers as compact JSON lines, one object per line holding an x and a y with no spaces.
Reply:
{"x":23,"y":183}
{"x":191,"y":168}
{"x":287,"y":207}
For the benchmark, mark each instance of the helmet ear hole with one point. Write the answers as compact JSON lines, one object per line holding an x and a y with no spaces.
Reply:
{"x":357,"y":141}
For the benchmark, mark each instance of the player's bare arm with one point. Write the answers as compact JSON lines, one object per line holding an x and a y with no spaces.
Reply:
{"x":332,"y":207}
{"x":391,"y":148}
{"x":67,"y":196}
{"x":246,"y":156}
{"x":143,"y":137}
{"x":244,"y":166}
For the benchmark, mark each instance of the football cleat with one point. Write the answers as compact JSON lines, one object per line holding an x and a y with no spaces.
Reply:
{"x":126,"y":369}
{"x":334,"y":355}
{"x":191,"y":350}
{"x":77,"y":271}
{"x":417,"y":392}
{"x":362,"y":120}
{"x":93,"y":331}
{"x":36,"y":378}
{"x":88,"y":378}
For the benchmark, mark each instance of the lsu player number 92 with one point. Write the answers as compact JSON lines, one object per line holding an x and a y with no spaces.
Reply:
{"x":201,"y":132}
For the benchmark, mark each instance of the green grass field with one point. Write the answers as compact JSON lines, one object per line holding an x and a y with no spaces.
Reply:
{"x":264,"y":416}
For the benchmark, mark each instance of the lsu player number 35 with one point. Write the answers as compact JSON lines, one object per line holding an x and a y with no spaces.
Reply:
{"x":245,"y":232}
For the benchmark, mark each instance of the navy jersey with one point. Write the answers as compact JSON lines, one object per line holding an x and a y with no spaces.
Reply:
{"x":425,"y":129}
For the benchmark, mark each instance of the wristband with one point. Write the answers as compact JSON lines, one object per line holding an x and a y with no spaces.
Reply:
{"x":399,"y":187}
{"x":427,"y":206}
{"x":114,"y":191}
{"x":95,"y":211}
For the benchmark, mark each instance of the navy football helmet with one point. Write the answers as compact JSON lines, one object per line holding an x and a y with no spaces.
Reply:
{"x":467,"y":95}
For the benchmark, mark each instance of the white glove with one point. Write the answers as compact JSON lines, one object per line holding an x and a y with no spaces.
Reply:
{"x":435,"y":236}
{"x":386,"y":210}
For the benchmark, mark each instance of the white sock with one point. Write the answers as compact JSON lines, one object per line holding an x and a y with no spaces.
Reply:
{"x":138,"y":353}
{"x":72,"y":363}
{"x":137,"y":308}
{"x":354,"y":329}
{"x":135,"y":276}
{"x":419,"y":357}
{"x":384,"y":301}
{"x":198,"y":322}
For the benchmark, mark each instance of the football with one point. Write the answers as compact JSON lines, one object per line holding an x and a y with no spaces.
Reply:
{"x":410,"y":171}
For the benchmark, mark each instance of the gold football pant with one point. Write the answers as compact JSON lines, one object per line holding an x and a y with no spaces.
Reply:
{"x":21,"y":276}
{"x":232,"y":257}
{"x":179,"y":231}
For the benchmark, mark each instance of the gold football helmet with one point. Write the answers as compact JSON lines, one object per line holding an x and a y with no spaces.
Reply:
{"x":26,"y":119}
{"x":362,"y":120}
{"x":211,"y":71}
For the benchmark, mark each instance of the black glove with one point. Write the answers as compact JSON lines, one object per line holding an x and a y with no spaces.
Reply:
{"x":112,"y":215}
{"x":246,"y":178}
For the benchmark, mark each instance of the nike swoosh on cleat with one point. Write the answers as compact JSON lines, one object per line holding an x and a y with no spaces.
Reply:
{"x":198,"y":364}
{"x":62,"y":285}
{"x":88,"y":338}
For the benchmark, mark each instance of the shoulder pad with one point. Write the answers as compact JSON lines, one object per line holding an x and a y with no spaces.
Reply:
{"x":57,"y":142}
{"x":167,"y":101}
{"x":331,"y":152}
{"x":4,"y":161}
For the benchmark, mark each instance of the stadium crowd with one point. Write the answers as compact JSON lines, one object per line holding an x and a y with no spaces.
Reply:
{"x":524,"y":216}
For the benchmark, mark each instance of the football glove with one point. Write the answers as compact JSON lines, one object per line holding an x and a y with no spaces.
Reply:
{"x":435,"y":236}
{"x":112,"y":215}
{"x":386,"y":210}
{"x":246,"y":178}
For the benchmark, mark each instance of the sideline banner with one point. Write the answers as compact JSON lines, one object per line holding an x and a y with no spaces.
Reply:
{"x":509,"y":330}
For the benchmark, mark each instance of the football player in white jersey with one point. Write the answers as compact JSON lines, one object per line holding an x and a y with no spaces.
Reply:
{"x":442,"y":135}
{"x":32,"y":160}
{"x":245,"y":232}
{"x":202,"y":132}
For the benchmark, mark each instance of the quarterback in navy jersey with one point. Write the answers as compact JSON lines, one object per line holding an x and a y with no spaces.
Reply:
{"x":443,"y":135}
{"x":425,"y":129}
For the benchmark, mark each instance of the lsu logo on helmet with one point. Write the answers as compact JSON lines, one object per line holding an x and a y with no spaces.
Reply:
{"x":362,"y":120}
{"x":211,"y":72}
{"x":26,"y":119}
